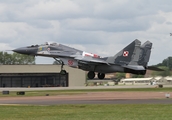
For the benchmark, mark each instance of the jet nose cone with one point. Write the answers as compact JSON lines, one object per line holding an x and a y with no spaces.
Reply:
{"x":25,"y":50}
{"x":20,"y":50}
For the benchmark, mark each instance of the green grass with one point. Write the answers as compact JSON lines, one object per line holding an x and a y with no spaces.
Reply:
{"x":87,"y":112}
{"x":73,"y":92}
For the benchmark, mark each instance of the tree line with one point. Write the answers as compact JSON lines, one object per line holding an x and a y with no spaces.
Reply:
{"x":16,"y":59}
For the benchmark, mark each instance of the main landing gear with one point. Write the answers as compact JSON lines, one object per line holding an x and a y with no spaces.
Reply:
{"x":101,"y":75}
{"x":91,"y":75}
{"x":62,"y":71}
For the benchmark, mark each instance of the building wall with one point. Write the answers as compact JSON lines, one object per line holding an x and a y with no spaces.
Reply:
{"x":76,"y":76}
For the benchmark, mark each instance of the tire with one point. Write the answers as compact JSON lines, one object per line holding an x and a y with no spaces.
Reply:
{"x":63,"y":72}
{"x":91,"y":75}
{"x":101,"y":76}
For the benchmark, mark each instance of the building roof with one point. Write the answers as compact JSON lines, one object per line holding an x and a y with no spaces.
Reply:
{"x":168,"y":78}
{"x":47,"y":68}
{"x":137,"y":79}
{"x":158,"y":77}
{"x":147,"y":79}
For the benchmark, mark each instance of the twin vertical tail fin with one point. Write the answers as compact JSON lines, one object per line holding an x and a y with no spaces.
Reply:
{"x":128,"y":54}
{"x":134,"y":57}
{"x":140,"y":59}
{"x":145,"y":54}
{"x":133,"y":54}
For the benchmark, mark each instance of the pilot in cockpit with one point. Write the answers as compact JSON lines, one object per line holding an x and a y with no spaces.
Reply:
{"x":46,"y":43}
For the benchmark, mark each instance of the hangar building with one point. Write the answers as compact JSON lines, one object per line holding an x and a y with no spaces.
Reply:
{"x":40,"y":76}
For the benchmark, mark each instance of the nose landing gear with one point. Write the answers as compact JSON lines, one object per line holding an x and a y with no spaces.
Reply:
{"x":62,"y":71}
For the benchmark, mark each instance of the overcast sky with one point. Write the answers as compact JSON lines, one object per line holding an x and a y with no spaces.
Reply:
{"x":103,"y":27}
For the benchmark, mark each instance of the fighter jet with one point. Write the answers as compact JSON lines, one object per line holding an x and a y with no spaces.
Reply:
{"x":131,"y":59}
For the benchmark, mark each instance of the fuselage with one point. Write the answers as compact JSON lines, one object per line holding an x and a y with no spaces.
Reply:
{"x":67,"y":55}
{"x":129,"y":60}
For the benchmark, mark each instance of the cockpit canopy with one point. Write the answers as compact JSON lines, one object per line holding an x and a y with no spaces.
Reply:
{"x":46,"y":44}
{"x":51,"y":44}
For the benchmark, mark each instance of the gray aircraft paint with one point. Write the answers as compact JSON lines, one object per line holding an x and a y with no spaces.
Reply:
{"x":121,"y":59}
{"x":130,"y":58}
{"x":114,"y":63}
{"x":145,"y":53}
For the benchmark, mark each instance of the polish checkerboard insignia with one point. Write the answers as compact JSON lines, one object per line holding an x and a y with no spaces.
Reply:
{"x":125,"y":53}
{"x":70,"y":62}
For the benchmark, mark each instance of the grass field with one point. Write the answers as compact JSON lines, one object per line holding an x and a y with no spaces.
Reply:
{"x":71,"y":92}
{"x":86,"y":112}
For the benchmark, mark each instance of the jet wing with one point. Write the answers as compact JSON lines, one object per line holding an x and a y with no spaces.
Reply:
{"x":90,"y":60}
{"x":55,"y":54}
{"x":52,"y":55}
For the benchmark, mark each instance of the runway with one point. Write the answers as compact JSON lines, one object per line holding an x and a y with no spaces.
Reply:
{"x":92,"y":98}
{"x":81,"y":87}
{"x":62,"y":102}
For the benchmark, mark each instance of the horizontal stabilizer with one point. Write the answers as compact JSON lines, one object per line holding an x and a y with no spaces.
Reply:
{"x":154,"y":68}
{"x":134,"y":67}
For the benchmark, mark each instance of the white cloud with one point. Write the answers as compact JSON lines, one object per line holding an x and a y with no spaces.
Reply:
{"x":52,"y":9}
{"x":99,"y":26}
{"x":4,"y":47}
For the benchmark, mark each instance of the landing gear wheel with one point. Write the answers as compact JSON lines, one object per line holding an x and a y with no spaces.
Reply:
{"x":91,"y":74}
{"x":63,"y":72}
{"x":143,"y":72}
{"x":101,"y":76}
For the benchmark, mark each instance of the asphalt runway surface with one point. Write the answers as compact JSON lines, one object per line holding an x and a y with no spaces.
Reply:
{"x":92,"y":98}
{"x":61,"y":102}
{"x":81,"y":87}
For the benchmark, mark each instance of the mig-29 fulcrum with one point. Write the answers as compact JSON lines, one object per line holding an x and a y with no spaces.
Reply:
{"x":133,"y":58}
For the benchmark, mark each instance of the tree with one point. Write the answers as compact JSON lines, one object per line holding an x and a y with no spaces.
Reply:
{"x":166,"y":62}
{"x":16,"y":59}
{"x":119,"y":76}
{"x":137,"y":76}
{"x":164,"y":73}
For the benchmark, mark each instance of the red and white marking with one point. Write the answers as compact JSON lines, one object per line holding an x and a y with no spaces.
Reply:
{"x":90,"y":54}
{"x":125,"y":53}
{"x":70,"y":62}
{"x":48,"y":49}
